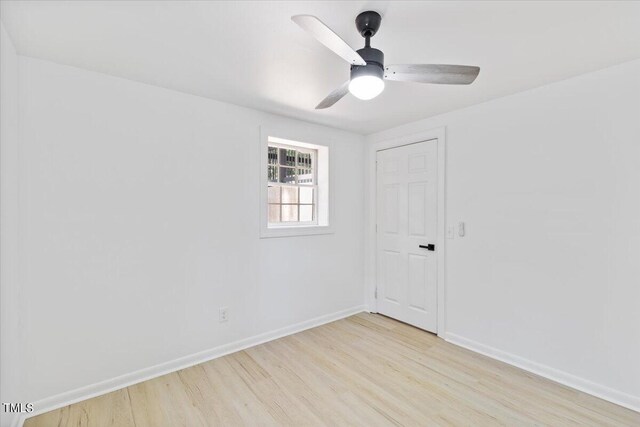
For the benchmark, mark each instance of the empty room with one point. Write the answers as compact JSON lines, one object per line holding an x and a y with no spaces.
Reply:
{"x":319,"y":213}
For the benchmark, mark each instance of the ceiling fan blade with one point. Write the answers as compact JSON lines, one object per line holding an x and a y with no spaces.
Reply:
{"x":432,"y":73}
{"x":327,"y":37}
{"x":334,"y":96}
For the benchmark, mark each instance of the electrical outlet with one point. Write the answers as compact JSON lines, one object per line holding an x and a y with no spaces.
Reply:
{"x":223,"y":315}
{"x":451,"y":231}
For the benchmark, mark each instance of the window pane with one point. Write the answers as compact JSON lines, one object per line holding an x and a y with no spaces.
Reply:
{"x":305,"y":176}
{"x":287,"y":175}
{"x":289,"y":213}
{"x":287,"y":157}
{"x":304,"y":160}
{"x":306,"y":212}
{"x":289,"y":194}
{"x":272,"y":157}
{"x":306,"y":195}
{"x":274,"y":213}
{"x":273,"y":174}
{"x":274,"y":194}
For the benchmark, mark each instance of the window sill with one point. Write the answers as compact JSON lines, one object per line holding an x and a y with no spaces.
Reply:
{"x":296,"y":230}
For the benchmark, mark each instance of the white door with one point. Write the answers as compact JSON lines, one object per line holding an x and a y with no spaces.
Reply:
{"x":407,"y":194}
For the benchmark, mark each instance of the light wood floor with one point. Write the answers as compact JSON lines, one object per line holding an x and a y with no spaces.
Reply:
{"x":366,"y":370}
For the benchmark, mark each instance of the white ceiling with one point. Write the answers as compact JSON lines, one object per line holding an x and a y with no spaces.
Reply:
{"x":251,"y":54}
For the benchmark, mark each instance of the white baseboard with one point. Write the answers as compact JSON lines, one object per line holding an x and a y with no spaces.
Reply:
{"x":12,"y":420}
{"x":598,"y":390}
{"x":107,"y":386}
{"x":20,"y":419}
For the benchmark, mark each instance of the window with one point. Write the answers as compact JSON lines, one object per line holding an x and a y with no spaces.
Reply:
{"x":294,"y":187}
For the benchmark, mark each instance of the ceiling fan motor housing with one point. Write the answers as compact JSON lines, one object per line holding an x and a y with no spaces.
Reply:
{"x":368,"y":23}
{"x":375,"y":63}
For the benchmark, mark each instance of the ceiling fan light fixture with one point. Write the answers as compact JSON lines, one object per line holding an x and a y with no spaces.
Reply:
{"x":366,"y":87}
{"x":367,"y":81}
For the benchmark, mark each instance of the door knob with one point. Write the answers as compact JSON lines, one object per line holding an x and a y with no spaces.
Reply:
{"x":428,"y":247}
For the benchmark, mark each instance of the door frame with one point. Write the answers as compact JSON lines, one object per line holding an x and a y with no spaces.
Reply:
{"x":438,"y":134}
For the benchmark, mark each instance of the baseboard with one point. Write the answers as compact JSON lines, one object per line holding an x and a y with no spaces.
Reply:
{"x":103,"y":387}
{"x":12,"y":420}
{"x":570,"y":380}
{"x":20,"y":419}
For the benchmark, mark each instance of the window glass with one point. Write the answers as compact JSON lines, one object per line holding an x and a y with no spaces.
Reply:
{"x":292,"y":184}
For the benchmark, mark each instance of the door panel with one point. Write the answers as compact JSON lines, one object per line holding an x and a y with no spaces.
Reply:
{"x":407,"y":218}
{"x":391,"y":202}
{"x":392,"y":275}
{"x":417,"y":278}
{"x":417,"y":208}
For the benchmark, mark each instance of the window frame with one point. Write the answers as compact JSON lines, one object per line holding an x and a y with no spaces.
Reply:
{"x":323,"y":176}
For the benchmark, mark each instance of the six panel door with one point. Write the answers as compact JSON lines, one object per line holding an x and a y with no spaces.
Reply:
{"x":406,"y":220}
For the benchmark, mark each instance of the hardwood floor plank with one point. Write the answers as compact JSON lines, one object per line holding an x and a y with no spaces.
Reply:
{"x":366,"y":370}
{"x":237,"y":399}
{"x":109,"y":410}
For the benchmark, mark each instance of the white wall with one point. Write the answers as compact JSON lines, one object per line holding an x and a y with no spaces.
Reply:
{"x":141,"y":213}
{"x":10,"y":295}
{"x":548,"y":182}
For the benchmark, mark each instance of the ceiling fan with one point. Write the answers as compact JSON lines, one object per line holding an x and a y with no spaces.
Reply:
{"x":368,"y":70}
